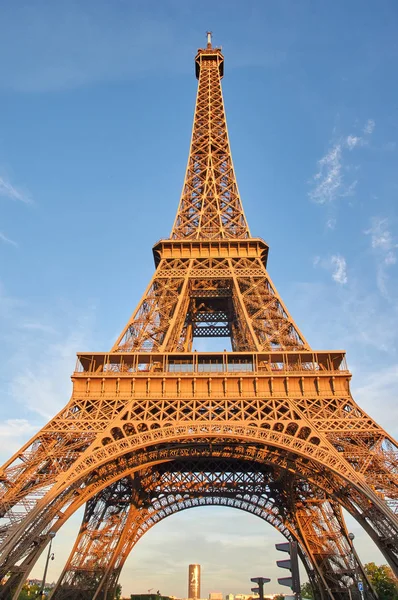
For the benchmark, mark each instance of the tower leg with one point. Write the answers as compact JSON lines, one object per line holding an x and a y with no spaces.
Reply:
{"x":322,"y":526}
{"x":103,"y":523}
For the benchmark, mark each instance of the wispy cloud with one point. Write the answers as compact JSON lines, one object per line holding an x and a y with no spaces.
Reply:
{"x":353,"y":316}
{"x":41,"y":380}
{"x":329,"y":182}
{"x":331,"y":223}
{"x":336,"y":265}
{"x":381,"y":239}
{"x":11,"y":427}
{"x":378,"y":388}
{"x":37,"y":326}
{"x":328,"y":179}
{"x":41,"y":354}
{"x":369,"y":127}
{"x":339,"y":265}
{"x":384,"y":247}
{"x":13,"y":434}
{"x":7,"y":240}
{"x":352,"y":141}
{"x":8,"y":190}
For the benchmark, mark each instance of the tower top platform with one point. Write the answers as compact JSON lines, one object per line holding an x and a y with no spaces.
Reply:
{"x":209,"y":54}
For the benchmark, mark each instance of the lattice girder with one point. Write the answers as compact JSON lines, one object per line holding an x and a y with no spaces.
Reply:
{"x":210,"y":205}
{"x":51,"y":509}
{"x":258,"y":392}
{"x":322,"y":525}
{"x":176,"y":486}
{"x":151,"y":400}
{"x":149,"y":512}
{"x":251,"y":396}
{"x":104,"y":477}
{"x":236,"y":290}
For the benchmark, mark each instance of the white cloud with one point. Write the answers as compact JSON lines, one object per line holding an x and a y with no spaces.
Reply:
{"x":353,"y":316}
{"x":40,"y":356}
{"x":7,"y":240}
{"x":42,"y":380}
{"x":378,"y":390}
{"x":390,"y":259}
{"x":349,"y":190}
{"x":316,"y":260}
{"x":352,"y":141}
{"x":336,"y":264}
{"x":11,"y":427}
{"x":8,"y":190}
{"x":329,"y":181}
{"x":369,"y":127}
{"x":384,"y":247}
{"x":13,"y":434}
{"x":381,"y":237}
{"x":331,"y":223}
{"x":340,"y":269}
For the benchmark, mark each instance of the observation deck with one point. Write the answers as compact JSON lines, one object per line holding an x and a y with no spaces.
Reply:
{"x":215,"y":374}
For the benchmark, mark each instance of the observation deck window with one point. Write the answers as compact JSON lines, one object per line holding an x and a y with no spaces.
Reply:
{"x":180,"y":365}
{"x":210,"y":364}
{"x":240,"y":364}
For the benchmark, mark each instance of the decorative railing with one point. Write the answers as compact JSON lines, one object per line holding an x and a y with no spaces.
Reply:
{"x":221,"y":362}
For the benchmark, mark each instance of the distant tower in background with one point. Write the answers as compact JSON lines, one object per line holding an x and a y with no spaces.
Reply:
{"x":194,"y":582}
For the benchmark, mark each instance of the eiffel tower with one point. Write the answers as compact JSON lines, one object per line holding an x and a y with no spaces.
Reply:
{"x":154,"y":427}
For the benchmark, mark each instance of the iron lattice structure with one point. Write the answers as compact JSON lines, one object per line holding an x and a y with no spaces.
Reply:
{"x":154,"y":427}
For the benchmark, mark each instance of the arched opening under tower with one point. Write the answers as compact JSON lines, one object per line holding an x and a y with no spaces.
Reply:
{"x":124,"y":509}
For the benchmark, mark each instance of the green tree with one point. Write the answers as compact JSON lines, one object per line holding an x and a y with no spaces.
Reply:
{"x":29,"y":592}
{"x":383,"y":580}
{"x":118,"y":592}
{"x":306,"y":590}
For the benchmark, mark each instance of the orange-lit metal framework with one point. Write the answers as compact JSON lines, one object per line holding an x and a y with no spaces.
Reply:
{"x":154,"y":427}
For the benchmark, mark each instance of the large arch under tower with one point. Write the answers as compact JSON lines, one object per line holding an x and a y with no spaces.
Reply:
{"x":159,"y":492}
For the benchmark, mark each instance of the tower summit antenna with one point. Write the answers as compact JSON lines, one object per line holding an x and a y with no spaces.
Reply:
{"x":209,"y":34}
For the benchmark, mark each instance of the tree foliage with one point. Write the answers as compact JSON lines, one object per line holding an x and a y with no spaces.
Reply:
{"x":29,"y":592}
{"x":118,"y":592}
{"x":306,"y":590}
{"x":383,"y":580}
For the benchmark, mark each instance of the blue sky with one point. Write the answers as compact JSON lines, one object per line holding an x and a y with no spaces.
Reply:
{"x":96,"y":105}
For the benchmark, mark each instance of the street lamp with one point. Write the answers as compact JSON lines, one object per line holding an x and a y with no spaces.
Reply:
{"x":358,"y":581}
{"x":351,"y":537}
{"x":51,"y":535}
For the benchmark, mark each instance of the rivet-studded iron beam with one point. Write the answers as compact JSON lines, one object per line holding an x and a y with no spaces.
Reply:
{"x":153,"y":400}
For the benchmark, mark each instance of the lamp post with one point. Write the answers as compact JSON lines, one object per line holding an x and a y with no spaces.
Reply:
{"x":358,"y":581}
{"x":49,"y":555}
